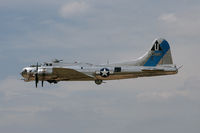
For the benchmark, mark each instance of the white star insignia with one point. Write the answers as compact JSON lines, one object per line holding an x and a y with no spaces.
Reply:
{"x":105,"y":72}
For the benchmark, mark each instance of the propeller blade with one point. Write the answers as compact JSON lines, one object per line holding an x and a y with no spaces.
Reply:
{"x":36,"y":80}
{"x":37,"y":67}
{"x":42,"y":83}
{"x":36,"y":75}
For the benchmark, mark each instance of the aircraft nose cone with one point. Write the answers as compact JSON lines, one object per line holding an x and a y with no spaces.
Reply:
{"x":24,"y":72}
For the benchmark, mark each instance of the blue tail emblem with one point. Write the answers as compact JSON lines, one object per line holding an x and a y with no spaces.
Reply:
{"x":158,"y":51}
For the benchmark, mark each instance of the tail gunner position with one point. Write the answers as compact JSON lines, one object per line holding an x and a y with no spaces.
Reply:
{"x":156,"y":62}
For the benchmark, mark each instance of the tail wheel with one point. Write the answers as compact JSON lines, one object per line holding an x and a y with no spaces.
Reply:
{"x":98,"y":81}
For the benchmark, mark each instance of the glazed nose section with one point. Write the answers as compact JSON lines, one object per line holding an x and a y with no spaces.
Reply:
{"x":24,"y":72}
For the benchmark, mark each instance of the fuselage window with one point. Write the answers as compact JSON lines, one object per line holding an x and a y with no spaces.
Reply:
{"x":117,"y":69}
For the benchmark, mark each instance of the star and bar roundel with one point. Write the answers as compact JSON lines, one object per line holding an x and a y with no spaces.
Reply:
{"x":104,"y":72}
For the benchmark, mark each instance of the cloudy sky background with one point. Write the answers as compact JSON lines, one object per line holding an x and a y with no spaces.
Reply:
{"x":96,"y":31}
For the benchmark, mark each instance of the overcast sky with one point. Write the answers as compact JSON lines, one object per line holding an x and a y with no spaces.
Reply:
{"x":94,"y":31}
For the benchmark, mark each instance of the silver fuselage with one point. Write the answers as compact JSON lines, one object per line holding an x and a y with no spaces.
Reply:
{"x":62,"y":72}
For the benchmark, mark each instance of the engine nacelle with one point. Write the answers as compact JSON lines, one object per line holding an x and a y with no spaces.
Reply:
{"x":45,"y":71}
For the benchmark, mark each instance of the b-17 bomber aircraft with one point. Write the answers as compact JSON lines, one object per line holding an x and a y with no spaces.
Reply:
{"x":156,"y":62}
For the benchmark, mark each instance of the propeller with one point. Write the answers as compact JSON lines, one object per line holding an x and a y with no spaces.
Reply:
{"x":42,"y":83}
{"x":43,"y":76}
{"x":36,"y":76}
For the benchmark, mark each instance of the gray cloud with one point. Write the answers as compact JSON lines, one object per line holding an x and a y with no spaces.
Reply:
{"x":183,"y":24}
{"x":113,"y":107}
{"x":73,"y":9}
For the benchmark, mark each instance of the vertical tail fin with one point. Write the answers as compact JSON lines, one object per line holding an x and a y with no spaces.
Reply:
{"x":159,"y":54}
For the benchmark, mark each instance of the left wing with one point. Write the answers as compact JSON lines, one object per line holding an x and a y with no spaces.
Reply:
{"x":70,"y":74}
